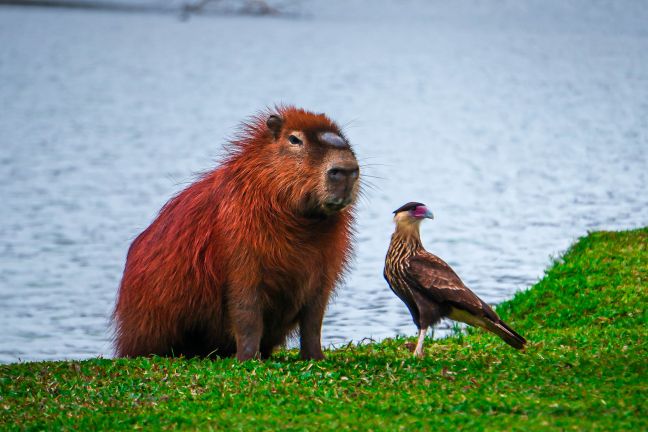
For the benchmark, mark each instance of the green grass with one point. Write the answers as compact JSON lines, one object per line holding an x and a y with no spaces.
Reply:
{"x":584,"y":369}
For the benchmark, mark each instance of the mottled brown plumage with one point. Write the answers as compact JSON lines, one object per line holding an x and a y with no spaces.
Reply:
{"x":429,"y":287}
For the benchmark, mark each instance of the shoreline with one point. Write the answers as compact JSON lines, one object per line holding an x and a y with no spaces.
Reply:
{"x":584,"y":369}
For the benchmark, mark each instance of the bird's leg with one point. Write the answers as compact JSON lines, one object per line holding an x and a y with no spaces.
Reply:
{"x":418,"y":352}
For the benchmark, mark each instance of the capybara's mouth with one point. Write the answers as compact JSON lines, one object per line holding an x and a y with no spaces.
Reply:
{"x":334,"y":207}
{"x":336,"y":204}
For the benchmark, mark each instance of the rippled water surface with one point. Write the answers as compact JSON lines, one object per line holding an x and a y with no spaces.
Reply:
{"x":521,"y":130}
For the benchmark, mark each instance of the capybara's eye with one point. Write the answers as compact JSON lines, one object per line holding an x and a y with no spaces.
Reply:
{"x":294,"y":140}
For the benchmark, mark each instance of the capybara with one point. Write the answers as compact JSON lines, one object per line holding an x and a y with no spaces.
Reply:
{"x":250,"y":251}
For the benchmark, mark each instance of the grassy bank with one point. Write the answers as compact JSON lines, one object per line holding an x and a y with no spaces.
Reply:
{"x":585,"y":369}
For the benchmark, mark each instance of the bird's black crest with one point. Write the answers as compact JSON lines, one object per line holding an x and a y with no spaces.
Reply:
{"x":408,"y":206}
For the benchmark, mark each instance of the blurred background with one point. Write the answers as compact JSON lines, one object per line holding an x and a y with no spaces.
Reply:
{"x":521,"y":124}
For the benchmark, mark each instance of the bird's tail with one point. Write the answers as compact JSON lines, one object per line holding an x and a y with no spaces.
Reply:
{"x":507,"y":334}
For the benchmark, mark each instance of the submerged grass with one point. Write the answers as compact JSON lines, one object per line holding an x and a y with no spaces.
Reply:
{"x":584,"y":369}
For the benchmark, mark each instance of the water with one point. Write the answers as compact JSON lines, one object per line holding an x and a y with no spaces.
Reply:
{"x":522,"y":127}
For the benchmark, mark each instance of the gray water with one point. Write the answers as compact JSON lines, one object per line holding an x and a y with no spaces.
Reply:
{"x":522,"y":125}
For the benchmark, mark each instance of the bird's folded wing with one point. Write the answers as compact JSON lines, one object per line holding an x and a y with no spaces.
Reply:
{"x":436,"y":280}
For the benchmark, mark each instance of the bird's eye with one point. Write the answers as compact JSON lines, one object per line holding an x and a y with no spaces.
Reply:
{"x":294,"y":140}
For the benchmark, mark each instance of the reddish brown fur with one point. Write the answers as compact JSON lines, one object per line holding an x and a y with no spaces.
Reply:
{"x":242,"y":256}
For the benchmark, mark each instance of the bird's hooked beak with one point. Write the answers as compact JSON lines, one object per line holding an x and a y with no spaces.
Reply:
{"x":422,"y":212}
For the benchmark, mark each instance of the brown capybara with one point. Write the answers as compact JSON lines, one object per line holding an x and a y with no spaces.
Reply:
{"x":250,"y":251}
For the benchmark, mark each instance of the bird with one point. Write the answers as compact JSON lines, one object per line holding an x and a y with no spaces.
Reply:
{"x":429,"y":287}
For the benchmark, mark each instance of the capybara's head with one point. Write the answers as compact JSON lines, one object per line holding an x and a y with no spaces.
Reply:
{"x":313,"y":163}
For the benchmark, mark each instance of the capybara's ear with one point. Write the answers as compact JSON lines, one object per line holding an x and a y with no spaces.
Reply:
{"x":274,"y":123}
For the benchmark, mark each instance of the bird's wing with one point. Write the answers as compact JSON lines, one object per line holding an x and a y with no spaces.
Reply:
{"x":436,"y":280}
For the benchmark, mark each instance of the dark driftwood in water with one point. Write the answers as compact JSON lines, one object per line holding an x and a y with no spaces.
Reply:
{"x":251,"y":7}
{"x":72,"y":4}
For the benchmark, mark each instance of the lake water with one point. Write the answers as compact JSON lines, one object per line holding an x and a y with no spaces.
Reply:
{"x":522,"y":125}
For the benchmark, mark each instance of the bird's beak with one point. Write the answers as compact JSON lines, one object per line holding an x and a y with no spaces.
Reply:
{"x":428,"y":214}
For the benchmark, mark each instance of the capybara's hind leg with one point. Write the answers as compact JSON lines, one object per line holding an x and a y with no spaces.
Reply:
{"x":129,"y":346}
{"x":136,"y":338}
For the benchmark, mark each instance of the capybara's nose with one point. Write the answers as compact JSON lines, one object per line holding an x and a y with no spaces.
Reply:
{"x":341,"y":178}
{"x":347,"y":173}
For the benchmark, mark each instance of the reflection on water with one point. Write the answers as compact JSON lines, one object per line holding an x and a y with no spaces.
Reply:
{"x":519,"y":139}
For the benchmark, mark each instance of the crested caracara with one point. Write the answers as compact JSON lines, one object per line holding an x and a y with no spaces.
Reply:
{"x":429,"y":287}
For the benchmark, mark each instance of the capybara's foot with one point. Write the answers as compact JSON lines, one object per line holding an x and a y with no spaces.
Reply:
{"x":312,"y":355}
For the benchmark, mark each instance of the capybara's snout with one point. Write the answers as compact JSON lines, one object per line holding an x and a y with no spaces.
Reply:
{"x":341,"y":178}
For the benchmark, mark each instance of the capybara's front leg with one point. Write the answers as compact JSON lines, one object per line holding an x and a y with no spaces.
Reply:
{"x":247,"y":320}
{"x":310,"y":330}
